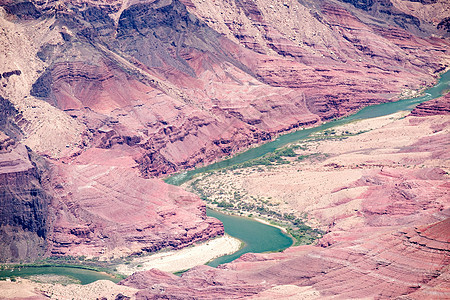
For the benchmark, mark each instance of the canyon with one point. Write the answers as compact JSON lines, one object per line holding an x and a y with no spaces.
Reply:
{"x":100,"y":100}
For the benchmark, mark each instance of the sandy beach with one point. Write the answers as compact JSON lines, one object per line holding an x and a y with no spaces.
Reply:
{"x":270,"y":224}
{"x":173,"y":261}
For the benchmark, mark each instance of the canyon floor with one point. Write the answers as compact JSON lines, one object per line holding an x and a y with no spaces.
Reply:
{"x":377,"y":188}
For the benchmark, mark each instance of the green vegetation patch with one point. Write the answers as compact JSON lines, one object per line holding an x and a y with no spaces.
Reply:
{"x":278,"y":157}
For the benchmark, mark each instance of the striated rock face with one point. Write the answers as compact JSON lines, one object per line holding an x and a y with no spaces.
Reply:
{"x":103,"y":208}
{"x":24,"y":204}
{"x":96,"y":205}
{"x":440,"y":106}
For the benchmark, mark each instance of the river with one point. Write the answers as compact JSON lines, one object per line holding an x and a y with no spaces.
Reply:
{"x":258,"y":237}
{"x":265,"y":238}
{"x":84,"y":276}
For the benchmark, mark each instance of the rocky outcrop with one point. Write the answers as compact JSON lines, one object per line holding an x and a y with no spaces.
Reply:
{"x":24,"y":204}
{"x":23,"y":10}
{"x":428,"y":12}
{"x":444,"y":24}
{"x":8,"y":116}
{"x":6,"y":75}
{"x":95,"y":205}
{"x":439,"y":106}
{"x":416,"y":16}
{"x":103,"y":208}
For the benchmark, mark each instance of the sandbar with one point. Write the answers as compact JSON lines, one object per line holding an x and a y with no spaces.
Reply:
{"x":186,"y":258}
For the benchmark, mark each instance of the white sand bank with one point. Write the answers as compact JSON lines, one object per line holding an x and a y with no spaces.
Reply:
{"x":173,"y":261}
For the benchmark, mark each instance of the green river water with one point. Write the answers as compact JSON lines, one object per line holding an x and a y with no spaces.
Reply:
{"x":84,"y":276}
{"x":257,"y":237}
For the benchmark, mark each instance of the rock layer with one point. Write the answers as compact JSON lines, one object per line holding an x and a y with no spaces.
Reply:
{"x":440,"y":106}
